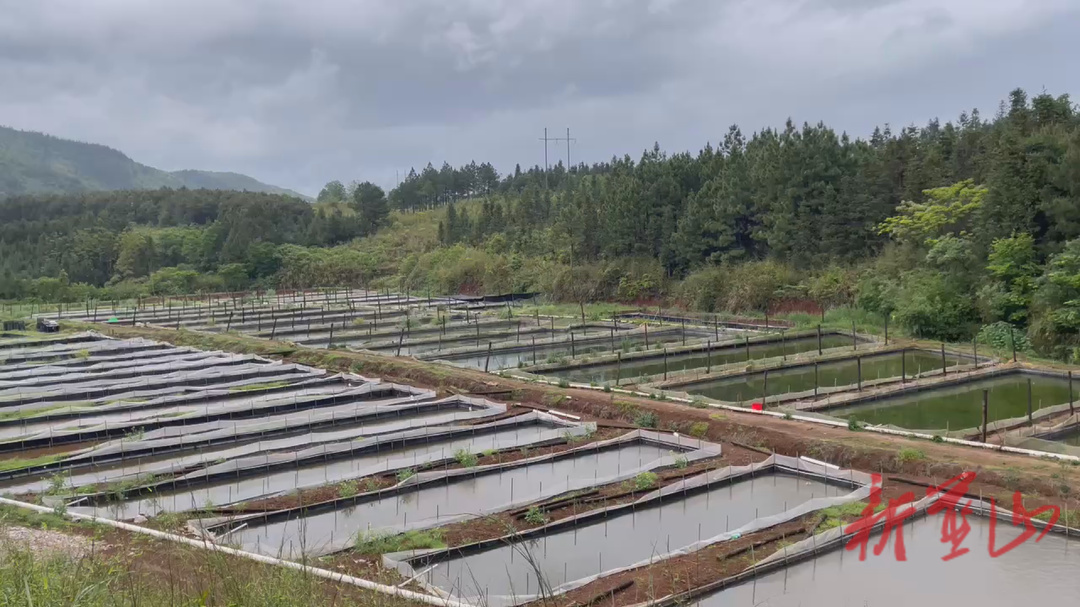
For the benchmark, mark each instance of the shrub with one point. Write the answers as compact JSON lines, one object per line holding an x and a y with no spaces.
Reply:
{"x":646,"y":419}
{"x":645,"y":481}
{"x":382,"y":543}
{"x":996,"y":335}
{"x":699,"y":429}
{"x":406,"y":474}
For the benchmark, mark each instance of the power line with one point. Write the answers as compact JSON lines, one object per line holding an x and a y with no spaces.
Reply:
{"x":568,"y":139}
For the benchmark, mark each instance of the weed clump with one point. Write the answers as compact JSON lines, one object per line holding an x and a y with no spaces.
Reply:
{"x":909,"y":454}
{"x":383,"y":543}
{"x":536,"y":516}
{"x":466,"y":458}
{"x":699,"y":429}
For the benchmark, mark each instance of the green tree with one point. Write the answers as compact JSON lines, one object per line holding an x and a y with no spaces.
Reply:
{"x":369,"y":200}
{"x":333,"y":191}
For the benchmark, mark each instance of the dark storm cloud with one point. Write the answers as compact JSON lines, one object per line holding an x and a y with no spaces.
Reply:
{"x":297,"y":93}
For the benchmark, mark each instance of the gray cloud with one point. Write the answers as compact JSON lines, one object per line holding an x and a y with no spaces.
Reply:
{"x":297,"y":93}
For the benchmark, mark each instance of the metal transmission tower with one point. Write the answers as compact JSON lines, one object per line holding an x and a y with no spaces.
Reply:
{"x":546,"y":139}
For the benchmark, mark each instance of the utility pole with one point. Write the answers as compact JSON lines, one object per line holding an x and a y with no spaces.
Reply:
{"x":568,"y":139}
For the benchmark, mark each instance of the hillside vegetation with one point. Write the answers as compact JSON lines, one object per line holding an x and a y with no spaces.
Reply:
{"x":952,"y":231}
{"x":35,"y":162}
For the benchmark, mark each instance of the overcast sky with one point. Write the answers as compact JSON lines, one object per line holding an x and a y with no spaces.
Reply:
{"x":298,"y":92}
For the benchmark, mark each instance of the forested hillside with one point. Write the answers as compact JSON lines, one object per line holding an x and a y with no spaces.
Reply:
{"x":35,"y":162}
{"x":952,"y":230}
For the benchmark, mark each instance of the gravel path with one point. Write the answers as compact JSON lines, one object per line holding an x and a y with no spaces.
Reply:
{"x":45,"y":541}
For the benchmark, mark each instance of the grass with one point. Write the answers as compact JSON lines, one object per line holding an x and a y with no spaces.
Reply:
{"x":699,"y":429}
{"x":406,"y":474}
{"x":263,"y":386}
{"x":835,"y":516}
{"x":909,"y":454}
{"x":18,"y":463}
{"x":190,"y":577}
{"x":382,"y":543}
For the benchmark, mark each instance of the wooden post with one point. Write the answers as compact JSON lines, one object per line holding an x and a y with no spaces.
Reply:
{"x":783,"y":344}
{"x":665,"y":363}
{"x":487,"y":360}
{"x":886,"y":330}
{"x":903,"y":366}
{"x":534,"y":349}
{"x":618,"y":367}
{"x":975,"y":351}
{"x":1030,"y":420}
{"x":986,"y":409}
{"x":708,"y":356}
{"x":612,"y":330}
{"x":854,"y":340}
{"x":747,"y":347}
{"x":228,"y":323}
{"x":858,"y":369}
{"x":943,"y":364}
{"x":478,"y":332}
{"x":766,"y":325}
{"x":330,"y":342}
{"x":1012,"y":341}
{"x":401,"y":338}
{"x":764,"y":388}
{"x":716,"y":329}
{"x":1070,"y":394}
{"x":509,"y":312}
{"x":573,"y":350}
{"x":815,"y":378}
{"x":646,"y":336}
{"x":684,"y":331}
{"x":582,"y":304}
{"x":273,"y":329}
{"x":819,"y":340}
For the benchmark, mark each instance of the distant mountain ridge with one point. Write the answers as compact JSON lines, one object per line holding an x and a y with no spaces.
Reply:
{"x":35,"y":162}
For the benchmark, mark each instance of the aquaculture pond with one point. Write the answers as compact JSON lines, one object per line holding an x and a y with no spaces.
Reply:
{"x":803,"y":378}
{"x":528,"y":355}
{"x":654,"y":365}
{"x":634,"y":536}
{"x":960,"y":406}
{"x":254,"y":479}
{"x":468,"y":494}
{"x":1034,"y":573}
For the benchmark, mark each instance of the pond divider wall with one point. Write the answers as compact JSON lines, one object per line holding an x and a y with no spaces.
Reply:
{"x":419,"y":563}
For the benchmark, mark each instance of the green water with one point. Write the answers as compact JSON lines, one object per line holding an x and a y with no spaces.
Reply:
{"x":654,"y":365}
{"x":960,"y":407}
{"x":829,"y":374}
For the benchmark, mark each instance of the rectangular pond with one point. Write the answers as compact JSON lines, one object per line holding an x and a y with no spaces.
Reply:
{"x":804,"y":378}
{"x":248,"y":484}
{"x":654,"y":365}
{"x":1034,"y":573}
{"x":460,"y":495}
{"x":618,"y":541}
{"x":959,"y":406}
{"x":528,"y":355}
